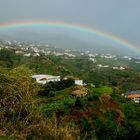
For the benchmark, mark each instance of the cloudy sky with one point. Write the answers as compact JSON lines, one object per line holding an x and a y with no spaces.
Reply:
{"x":119,"y":17}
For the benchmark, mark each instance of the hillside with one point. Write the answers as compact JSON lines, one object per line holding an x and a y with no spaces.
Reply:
{"x":63,"y":110}
{"x":101,"y":69}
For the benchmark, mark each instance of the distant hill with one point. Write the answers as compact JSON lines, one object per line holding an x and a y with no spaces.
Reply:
{"x":67,"y":40}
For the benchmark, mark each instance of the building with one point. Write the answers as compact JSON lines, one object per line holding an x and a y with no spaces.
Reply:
{"x":43,"y":78}
{"x":133,"y":94}
{"x":77,"y":81}
{"x":119,"y":68}
{"x":27,"y":54}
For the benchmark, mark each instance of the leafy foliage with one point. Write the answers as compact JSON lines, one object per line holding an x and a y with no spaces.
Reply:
{"x":51,"y":87}
{"x":103,"y":114}
{"x":19,"y":118}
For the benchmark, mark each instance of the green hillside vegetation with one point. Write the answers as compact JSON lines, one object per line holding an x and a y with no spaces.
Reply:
{"x":19,"y":116}
{"x":30,"y":111}
{"x":79,"y":67}
{"x":103,"y":90}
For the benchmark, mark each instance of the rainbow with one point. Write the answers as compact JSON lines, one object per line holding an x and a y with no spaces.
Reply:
{"x":72,"y":26}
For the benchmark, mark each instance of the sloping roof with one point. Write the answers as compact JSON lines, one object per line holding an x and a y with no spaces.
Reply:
{"x":134,"y":95}
{"x":39,"y":76}
{"x":72,"y":77}
{"x":44,"y":76}
{"x":132,"y":92}
{"x":42,"y":79}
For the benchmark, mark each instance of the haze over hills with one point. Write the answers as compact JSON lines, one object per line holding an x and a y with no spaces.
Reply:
{"x":68,"y":40}
{"x":119,"y":18}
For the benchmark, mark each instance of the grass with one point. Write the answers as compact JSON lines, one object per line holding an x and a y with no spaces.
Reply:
{"x":55,"y":105}
{"x":103,"y":90}
{"x":61,"y":100}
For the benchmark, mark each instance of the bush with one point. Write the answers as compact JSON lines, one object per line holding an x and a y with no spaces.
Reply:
{"x":17,"y":92}
{"x":55,"y":86}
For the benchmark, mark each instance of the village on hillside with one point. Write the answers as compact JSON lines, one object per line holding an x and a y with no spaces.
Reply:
{"x":81,"y":89}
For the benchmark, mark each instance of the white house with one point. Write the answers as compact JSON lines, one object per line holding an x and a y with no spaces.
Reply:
{"x":36,"y":54}
{"x":27,"y":54}
{"x":43,"y":78}
{"x":118,"y":68}
{"x":122,"y":68}
{"x":78,"y":82}
{"x":103,"y":66}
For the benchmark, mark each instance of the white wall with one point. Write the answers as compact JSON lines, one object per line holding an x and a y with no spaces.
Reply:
{"x":79,"y":82}
{"x":50,"y":78}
